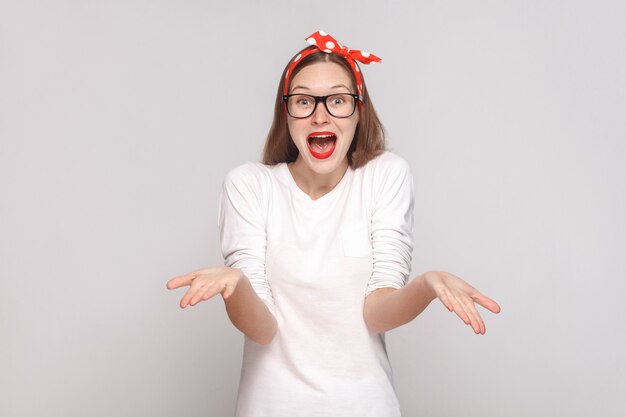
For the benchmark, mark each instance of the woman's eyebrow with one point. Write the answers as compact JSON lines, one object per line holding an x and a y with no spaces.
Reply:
{"x":340,"y":85}
{"x":330,"y":88}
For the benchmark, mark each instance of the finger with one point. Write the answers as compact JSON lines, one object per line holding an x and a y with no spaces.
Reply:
{"x":444,"y":297}
{"x":180,"y":281}
{"x":458,"y":308}
{"x":191,"y":292}
{"x":476,"y":320}
{"x":209,"y":291}
{"x":486,"y":302}
{"x":199,"y":294}
{"x":184,"y":302}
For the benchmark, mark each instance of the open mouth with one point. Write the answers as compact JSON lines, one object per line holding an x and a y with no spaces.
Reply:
{"x":321,"y":144}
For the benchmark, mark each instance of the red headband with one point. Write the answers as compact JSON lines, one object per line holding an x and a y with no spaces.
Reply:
{"x":326,"y":43}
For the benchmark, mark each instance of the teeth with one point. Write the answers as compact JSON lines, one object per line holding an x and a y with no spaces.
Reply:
{"x":322,"y":137}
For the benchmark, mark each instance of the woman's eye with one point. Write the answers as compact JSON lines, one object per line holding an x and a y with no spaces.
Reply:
{"x":303,"y":101}
{"x":336,"y":101}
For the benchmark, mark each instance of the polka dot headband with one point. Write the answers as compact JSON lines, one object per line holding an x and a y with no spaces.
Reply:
{"x":326,"y":43}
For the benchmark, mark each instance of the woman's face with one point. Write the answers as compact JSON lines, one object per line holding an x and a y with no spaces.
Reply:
{"x":322,"y":140}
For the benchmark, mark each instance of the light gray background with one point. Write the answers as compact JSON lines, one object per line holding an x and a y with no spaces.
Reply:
{"x":119,"y":119}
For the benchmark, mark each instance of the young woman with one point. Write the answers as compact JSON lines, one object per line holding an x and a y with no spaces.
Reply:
{"x":317,"y":242}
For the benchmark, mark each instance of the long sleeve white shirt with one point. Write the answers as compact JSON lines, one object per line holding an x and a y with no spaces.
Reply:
{"x":313,"y":262}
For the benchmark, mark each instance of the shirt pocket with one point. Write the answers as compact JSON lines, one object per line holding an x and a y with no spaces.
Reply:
{"x":356,"y":240}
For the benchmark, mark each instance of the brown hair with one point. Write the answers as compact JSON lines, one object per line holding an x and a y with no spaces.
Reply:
{"x":369,"y":137}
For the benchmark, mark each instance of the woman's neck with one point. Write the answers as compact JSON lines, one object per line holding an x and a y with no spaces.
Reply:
{"x":315,"y":184}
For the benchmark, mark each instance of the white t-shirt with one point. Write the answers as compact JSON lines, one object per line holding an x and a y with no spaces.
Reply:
{"x":313,"y":262}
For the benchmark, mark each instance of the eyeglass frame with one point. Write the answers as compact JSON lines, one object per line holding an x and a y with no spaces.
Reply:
{"x":357,"y":99}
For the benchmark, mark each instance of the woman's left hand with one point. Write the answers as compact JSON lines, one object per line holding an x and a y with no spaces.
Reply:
{"x":460,"y":297}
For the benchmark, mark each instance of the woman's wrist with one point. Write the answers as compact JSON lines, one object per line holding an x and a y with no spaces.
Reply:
{"x":425,"y":284}
{"x":237,"y":281}
{"x":236,"y":274}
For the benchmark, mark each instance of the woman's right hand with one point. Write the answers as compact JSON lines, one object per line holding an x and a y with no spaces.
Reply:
{"x":206,"y":283}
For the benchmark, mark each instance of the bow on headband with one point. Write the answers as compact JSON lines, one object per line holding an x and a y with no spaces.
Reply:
{"x":326,"y":43}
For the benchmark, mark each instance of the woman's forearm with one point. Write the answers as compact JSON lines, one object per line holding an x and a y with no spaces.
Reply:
{"x":388,"y":308}
{"x":249,"y":314}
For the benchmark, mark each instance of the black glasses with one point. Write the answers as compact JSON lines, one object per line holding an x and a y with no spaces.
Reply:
{"x":301,"y":106}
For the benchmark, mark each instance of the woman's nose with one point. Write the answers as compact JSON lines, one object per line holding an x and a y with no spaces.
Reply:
{"x":320,"y":115}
